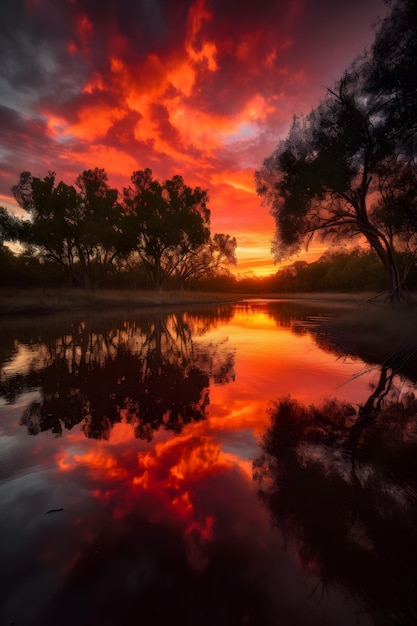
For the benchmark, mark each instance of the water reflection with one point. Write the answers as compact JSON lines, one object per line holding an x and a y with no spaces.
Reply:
{"x":341,"y":484}
{"x":150,"y":374}
{"x":158,"y":519}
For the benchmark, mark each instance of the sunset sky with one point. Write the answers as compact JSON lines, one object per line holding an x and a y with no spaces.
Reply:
{"x":201,"y":88}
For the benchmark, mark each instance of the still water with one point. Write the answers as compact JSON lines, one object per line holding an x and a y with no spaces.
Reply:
{"x":214,"y":466}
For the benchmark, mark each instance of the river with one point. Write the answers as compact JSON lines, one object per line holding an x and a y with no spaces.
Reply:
{"x":219,"y":465}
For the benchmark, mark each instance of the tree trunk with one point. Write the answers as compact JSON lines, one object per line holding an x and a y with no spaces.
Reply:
{"x":398,"y":295}
{"x":157,"y":274}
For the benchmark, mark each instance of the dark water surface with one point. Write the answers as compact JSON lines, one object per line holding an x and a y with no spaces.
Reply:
{"x":169,"y":468}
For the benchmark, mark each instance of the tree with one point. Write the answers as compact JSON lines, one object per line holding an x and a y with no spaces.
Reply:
{"x":208,"y":260}
{"x":50,"y":208}
{"x":80,"y":231}
{"x":395,"y":211}
{"x":170,"y":223}
{"x":320,"y":180}
{"x":12,"y":228}
{"x":101,"y":235}
{"x":392,"y":68}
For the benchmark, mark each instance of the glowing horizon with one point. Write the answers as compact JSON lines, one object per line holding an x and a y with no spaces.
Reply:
{"x":192,"y":87}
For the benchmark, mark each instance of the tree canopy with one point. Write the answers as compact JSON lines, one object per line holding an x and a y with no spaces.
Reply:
{"x":80,"y":230}
{"x":170,"y":227}
{"x":89,"y":230}
{"x":349,"y":165}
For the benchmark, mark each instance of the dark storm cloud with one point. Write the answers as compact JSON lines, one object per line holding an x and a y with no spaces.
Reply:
{"x":35,"y":61}
{"x":203,"y":88}
{"x":330,"y":37}
{"x":248,"y":14}
{"x":35,"y":40}
{"x":29,"y":144}
{"x":252,"y":41}
{"x":20,"y":137}
{"x":148,"y":23}
{"x":281,"y":48}
{"x":50,"y":49}
{"x":160,"y":25}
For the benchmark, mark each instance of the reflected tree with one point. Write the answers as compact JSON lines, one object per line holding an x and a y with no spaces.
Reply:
{"x":397,"y":354}
{"x":341,"y":484}
{"x":151,"y":373}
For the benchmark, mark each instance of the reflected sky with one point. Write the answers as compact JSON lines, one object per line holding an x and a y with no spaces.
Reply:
{"x":108,"y":524}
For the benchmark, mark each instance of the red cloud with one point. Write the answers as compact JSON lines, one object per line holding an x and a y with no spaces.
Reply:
{"x":203,"y":88}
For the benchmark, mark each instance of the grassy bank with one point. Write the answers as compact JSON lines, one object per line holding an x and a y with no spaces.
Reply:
{"x":20,"y":302}
{"x":26,"y":301}
{"x":377,"y":335}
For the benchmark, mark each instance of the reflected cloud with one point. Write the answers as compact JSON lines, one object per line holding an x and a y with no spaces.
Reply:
{"x":172,"y":529}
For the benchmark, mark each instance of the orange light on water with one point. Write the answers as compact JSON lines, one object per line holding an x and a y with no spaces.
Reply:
{"x":273,"y":357}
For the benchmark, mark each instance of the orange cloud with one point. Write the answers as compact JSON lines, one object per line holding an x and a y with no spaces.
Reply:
{"x":191,"y":87}
{"x":94,"y":122}
{"x":200,"y":51}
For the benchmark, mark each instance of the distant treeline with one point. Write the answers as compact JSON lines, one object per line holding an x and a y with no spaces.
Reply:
{"x":345,"y":272}
{"x":354,"y":271}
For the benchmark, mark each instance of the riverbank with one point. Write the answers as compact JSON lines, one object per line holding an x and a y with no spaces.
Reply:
{"x":38,"y":301}
{"x":366,"y":328}
{"x":29,"y":302}
{"x":378,"y":335}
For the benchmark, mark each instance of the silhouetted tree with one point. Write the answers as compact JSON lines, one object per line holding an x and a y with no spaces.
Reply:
{"x":392,"y":70}
{"x":80,"y":231}
{"x":395,"y":212}
{"x":209,"y":261}
{"x":170,"y":223}
{"x":12,"y":228}
{"x":319,"y":180}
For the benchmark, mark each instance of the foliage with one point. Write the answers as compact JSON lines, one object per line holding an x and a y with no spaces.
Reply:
{"x":392,"y":69}
{"x":320,"y":179}
{"x":210,"y":261}
{"x":395,"y":210}
{"x":11,"y":227}
{"x":154,"y":235}
{"x":170,"y":223}
{"x":81,"y":230}
{"x":335,"y":271}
